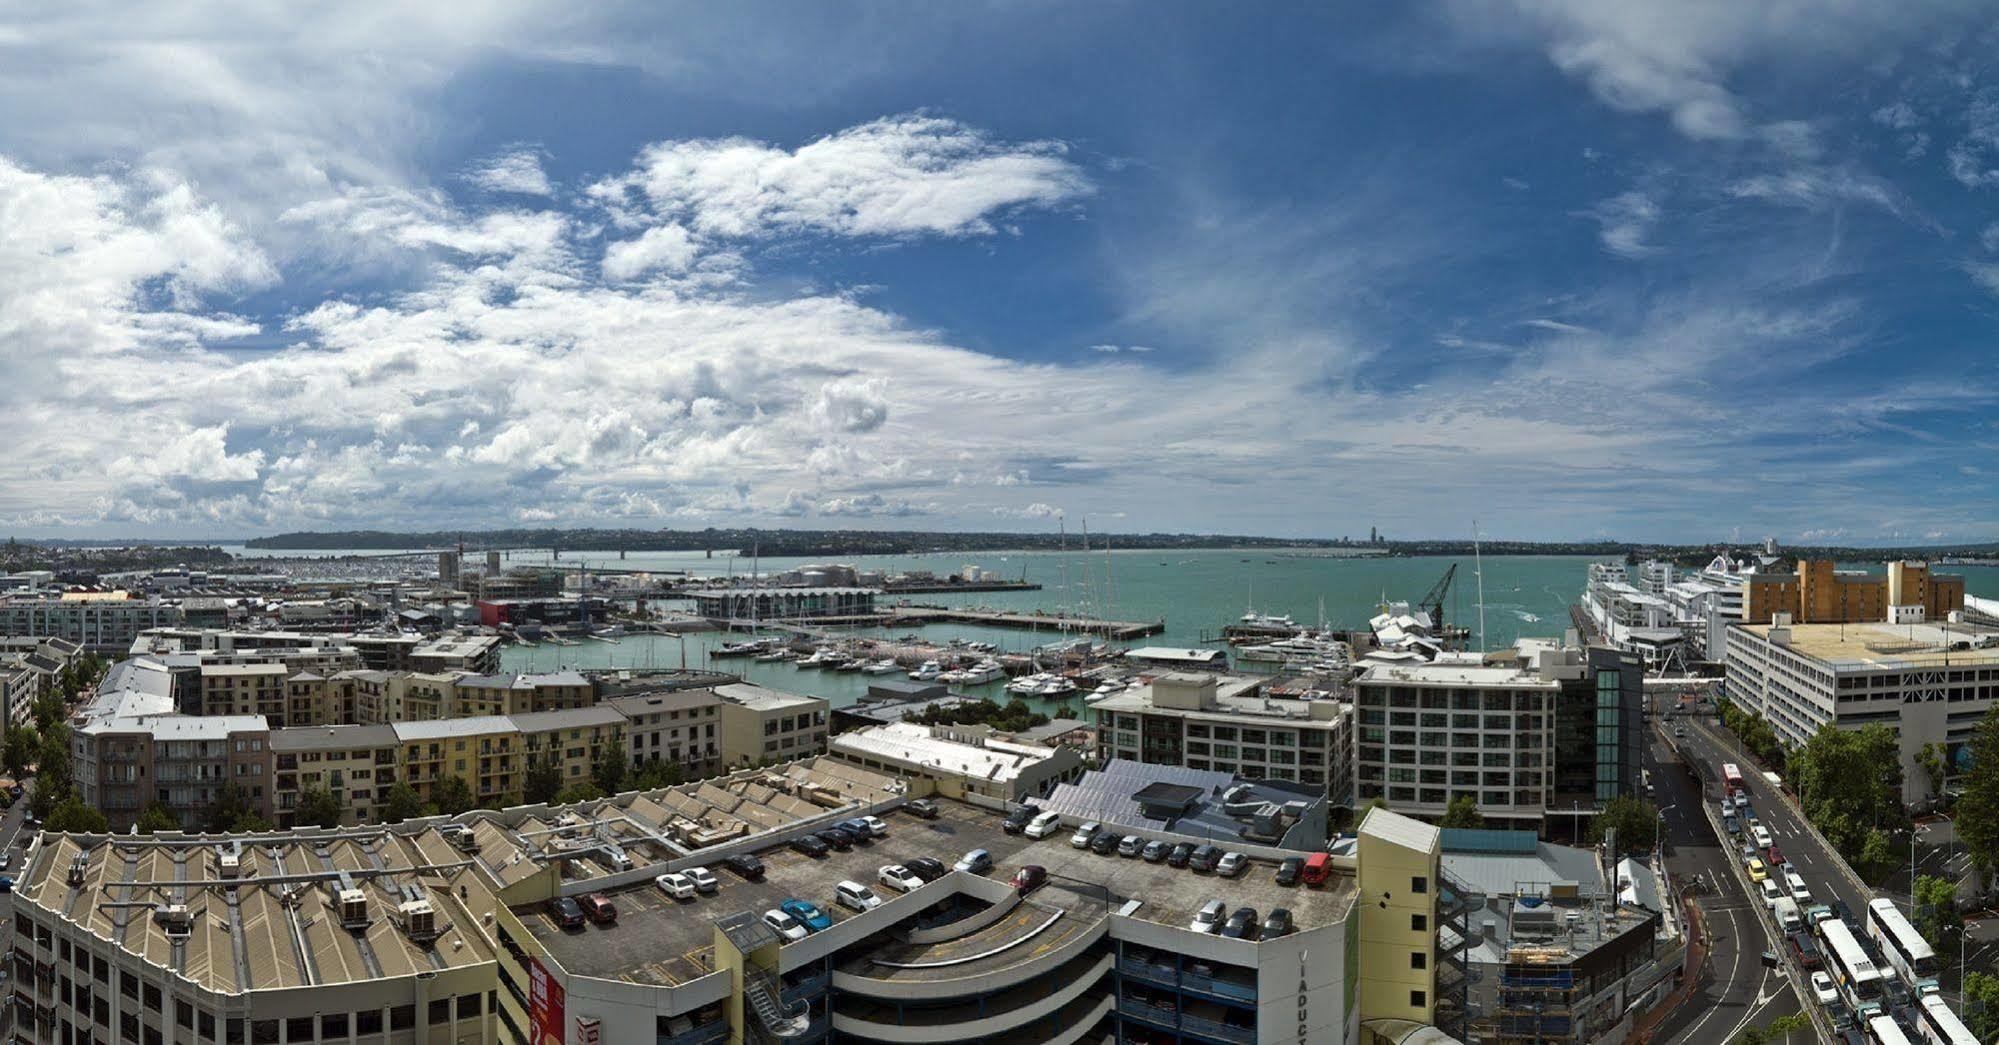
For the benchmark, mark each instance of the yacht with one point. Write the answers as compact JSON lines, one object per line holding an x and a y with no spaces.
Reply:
{"x":984,"y":671}
{"x":928,"y":672}
{"x":1042,"y":685}
{"x":824,"y":657}
{"x":878,"y":667}
{"x":772,"y":656}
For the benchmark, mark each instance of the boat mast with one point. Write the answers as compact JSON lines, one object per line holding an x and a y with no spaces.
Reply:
{"x":1478,"y":570}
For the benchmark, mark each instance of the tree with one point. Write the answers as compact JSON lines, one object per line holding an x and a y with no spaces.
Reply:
{"x":1462,"y":812}
{"x":1978,"y":810}
{"x":73,"y":816}
{"x":452,"y":795}
{"x":1849,"y":784}
{"x":655,"y":774}
{"x":581,"y":791}
{"x":157,"y":817}
{"x":1930,"y":757}
{"x":543,"y":780}
{"x":316,"y":808}
{"x":1936,"y":914}
{"x":611,"y":767}
{"x":1635,"y":820}
{"x":248,"y":822}
{"x":23,"y":742}
{"x":401,"y":803}
{"x":1781,"y":1028}
{"x":229,"y":805}
{"x":1981,"y":1005}
{"x":48,"y":709}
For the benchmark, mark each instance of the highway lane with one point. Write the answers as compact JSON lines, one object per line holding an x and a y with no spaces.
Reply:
{"x":1735,"y":989}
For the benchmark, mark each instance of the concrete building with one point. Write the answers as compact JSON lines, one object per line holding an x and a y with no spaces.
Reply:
{"x":131,"y":747}
{"x":677,"y":727}
{"x":475,"y":653}
{"x":1928,"y":680}
{"x":244,"y":689}
{"x":766,"y":725}
{"x":955,"y":760}
{"x":356,"y":764}
{"x":1540,"y":736}
{"x":1820,"y":593}
{"x":105,"y":622}
{"x":1230,"y":725}
{"x":776,"y":604}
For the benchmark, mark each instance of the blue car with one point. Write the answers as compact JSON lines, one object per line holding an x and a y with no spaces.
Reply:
{"x":807,"y":913}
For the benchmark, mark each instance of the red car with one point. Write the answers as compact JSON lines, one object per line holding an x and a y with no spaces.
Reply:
{"x":600,"y":909}
{"x":1030,"y":878}
{"x":1776,"y":858}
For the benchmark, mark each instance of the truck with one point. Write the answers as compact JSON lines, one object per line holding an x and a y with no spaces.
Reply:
{"x":1787,"y":914}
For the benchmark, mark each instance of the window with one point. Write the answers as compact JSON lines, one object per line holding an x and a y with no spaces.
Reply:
{"x":1418,"y":960}
{"x":1416,"y":999}
{"x":264,"y":1032}
{"x":1419,"y":885}
{"x":402,"y":1017}
{"x":1419,"y":923}
{"x":368,"y":1021}
{"x":468,"y":1006}
{"x":440,"y":1011}
{"x":333,"y":1025}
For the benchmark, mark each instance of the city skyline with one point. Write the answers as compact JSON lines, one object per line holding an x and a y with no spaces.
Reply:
{"x":1579,"y":270}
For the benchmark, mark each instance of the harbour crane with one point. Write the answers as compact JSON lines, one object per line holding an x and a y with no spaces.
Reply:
{"x":1433,"y":600}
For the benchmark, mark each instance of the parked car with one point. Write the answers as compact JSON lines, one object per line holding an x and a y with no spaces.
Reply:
{"x":924,"y":808}
{"x":1757,"y":872}
{"x":676,"y":885}
{"x":807,"y":913}
{"x":1823,"y":989}
{"x":978,"y":861}
{"x":836,"y":838}
{"x":1806,"y":949}
{"x":1278,"y":924}
{"x":1241,"y":925}
{"x":1290,"y":870}
{"x":1130,"y":845}
{"x":1205,"y":857}
{"x":751,"y":868}
{"x":899,"y":878}
{"x":1155,"y":851}
{"x":858,"y":829}
{"x":1104,"y":844}
{"x":1085,"y":835}
{"x":1043,"y":825}
{"x":600,"y":909}
{"x":1209,"y":918}
{"x":1232,"y":864}
{"x":810,"y":845}
{"x":567,"y":912}
{"x":704,"y":880}
{"x":876,"y":826}
{"x":857,"y":896}
{"x":786,"y":926}
{"x":1181,"y":853}
{"x":1772,"y":892}
{"x":926,"y":868}
{"x":1016,"y":821}
{"x":1029,"y":878}
{"x":1798,"y":889}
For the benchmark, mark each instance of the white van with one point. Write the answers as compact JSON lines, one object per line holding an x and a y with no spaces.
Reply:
{"x":1044,"y":824}
{"x":1762,"y":835}
{"x":1787,"y":914}
{"x":857,"y":896}
{"x":1796,"y":884}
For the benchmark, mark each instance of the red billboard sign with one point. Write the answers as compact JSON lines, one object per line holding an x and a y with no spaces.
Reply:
{"x":545,"y":1006}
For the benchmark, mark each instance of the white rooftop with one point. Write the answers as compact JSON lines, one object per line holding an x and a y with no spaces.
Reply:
{"x":913,"y":744}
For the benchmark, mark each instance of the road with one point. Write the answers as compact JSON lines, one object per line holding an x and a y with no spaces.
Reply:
{"x":10,"y":829}
{"x":1735,"y":990}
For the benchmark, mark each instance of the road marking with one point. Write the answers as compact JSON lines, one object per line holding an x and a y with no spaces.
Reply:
{"x":1734,"y":934}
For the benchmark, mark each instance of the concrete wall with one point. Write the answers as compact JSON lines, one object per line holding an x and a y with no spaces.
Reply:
{"x":1387,"y":902}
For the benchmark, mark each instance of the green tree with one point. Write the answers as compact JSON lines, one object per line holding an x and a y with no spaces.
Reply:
{"x":452,"y":795}
{"x":229,"y":804}
{"x":23,"y":743}
{"x":543,"y":780}
{"x":1936,"y":914}
{"x":401,"y":803}
{"x":1781,"y":1028}
{"x":611,"y":768}
{"x":48,"y":709}
{"x":581,"y":791}
{"x":1978,"y":810}
{"x":655,"y":774}
{"x":1462,"y":812}
{"x":1981,"y":1005}
{"x":1930,"y":757}
{"x":316,"y":808}
{"x":73,"y":816}
{"x":1635,"y":820}
{"x":157,"y":817}
{"x":1849,"y":784}
{"x":248,"y":822}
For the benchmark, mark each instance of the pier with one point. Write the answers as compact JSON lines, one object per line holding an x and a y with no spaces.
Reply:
{"x":1110,"y":629}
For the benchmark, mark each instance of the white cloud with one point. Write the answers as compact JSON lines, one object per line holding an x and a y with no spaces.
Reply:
{"x":897,"y":176}
{"x":666,"y":248}
{"x":1897,"y":115}
{"x":1115,"y":349}
{"x":1624,"y":221}
{"x":1819,"y":188}
{"x":517,"y":171}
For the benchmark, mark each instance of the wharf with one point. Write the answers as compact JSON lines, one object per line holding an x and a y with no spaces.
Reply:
{"x":1110,"y":629}
{"x":946,"y":587}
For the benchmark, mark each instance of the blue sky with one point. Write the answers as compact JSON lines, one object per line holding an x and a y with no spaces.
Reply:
{"x":1676,"y":272}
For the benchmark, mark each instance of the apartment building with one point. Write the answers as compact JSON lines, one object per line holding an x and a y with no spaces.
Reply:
{"x":104,"y":622}
{"x":1230,"y":724}
{"x":1928,"y":680}
{"x":1821,"y":593}
{"x":680,"y":728}
{"x":245,"y":689}
{"x":356,"y":764}
{"x":492,"y":753}
{"x":30,"y":667}
{"x":766,"y":725}
{"x":517,"y":694}
{"x":479,"y":654}
{"x":130,"y":747}
{"x":575,"y":738}
{"x":1540,"y":736}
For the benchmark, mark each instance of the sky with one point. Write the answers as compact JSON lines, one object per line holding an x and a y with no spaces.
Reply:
{"x":1572,"y":269}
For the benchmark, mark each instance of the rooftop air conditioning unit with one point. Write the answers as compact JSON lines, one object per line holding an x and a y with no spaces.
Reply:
{"x":174,"y":918}
{"x":353,"y":908}
{"x":229,"y":863}
{"x":419,"y":920}
{"x":79,"y":865}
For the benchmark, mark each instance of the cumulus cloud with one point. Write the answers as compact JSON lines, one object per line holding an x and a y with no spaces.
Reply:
{"x":897,"y":176}
{"x":517,"y":171}
{"x":665,"y":248}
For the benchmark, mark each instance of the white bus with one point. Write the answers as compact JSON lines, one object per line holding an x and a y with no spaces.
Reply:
{"x":1852,"y":971}
{"x":1900,"y":943}
{"x":1940,"y":1025}
{"x":1883,"y":1030}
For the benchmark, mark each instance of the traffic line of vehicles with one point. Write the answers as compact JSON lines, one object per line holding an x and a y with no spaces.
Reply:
{"x":1875,"y":978}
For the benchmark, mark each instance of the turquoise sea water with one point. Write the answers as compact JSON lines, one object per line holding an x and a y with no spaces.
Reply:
{"x":1196,"y":593}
